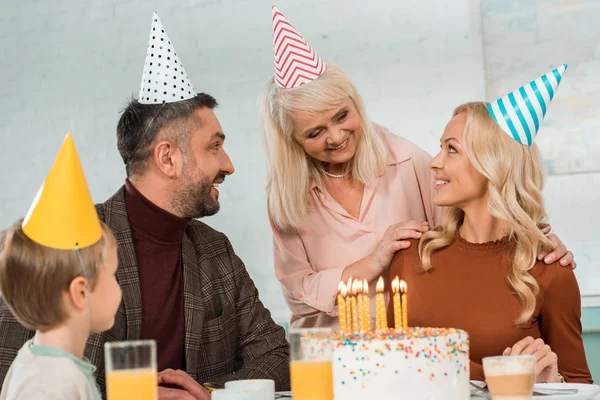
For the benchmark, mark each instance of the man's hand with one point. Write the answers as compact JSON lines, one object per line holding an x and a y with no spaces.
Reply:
{"x":189,"y":388}
{"x":173,"y":394}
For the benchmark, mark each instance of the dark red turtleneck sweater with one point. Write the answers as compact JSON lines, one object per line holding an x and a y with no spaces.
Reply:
{"x":157,"y":236}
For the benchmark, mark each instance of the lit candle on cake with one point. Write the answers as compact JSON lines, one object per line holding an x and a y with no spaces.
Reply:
{"x":348,"y":306}
{"x":403,"y":290}
{"x":354,"y":308}
{"x":341,"y":301}
{"x":398,"y":324}
{"x":367,"y":305}
{"x":362,"y":304}
{"x":357,"y":286}
{"x":380,"y":320}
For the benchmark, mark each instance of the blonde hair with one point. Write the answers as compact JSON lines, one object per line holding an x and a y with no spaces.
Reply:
{"x":33,"y":277}
{"x":290,"y":169}
{"x":515,"y":181}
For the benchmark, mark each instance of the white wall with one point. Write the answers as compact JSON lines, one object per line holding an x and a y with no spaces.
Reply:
{"x":522,"y":40}
{"x":70,"y":66}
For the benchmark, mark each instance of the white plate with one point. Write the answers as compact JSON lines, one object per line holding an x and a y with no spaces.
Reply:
{"x":586,"y":392}
{"x":475,"y":391}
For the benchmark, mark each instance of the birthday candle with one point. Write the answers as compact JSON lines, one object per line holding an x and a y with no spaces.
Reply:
{"x":361,"y":306}
{"x":349,"y":306}
{"x":357,"y":288}
{"x":396,"y":301}
{"x":403,"y":290}
{"x":380,"y":320}
{"x":367,"y":305}
{"x":354,"y":309}
{"x":341,"y":301}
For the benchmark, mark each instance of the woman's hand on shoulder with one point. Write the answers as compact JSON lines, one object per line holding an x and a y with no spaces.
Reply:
{"x":559,"y":253}
{"x":547,"y":360}
{"x":394,"y":239}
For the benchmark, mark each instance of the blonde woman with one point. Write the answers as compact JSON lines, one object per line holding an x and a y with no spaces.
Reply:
{"x":478,"y":270}
{"x":344,"y":194}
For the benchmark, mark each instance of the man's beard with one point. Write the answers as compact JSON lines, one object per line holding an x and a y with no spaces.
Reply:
{"x":194,"y":199}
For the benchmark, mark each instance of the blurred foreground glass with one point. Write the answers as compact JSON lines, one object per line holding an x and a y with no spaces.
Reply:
{"x":131,"y":370}
{"x":311,"y":352}
{"x":510,"y":377}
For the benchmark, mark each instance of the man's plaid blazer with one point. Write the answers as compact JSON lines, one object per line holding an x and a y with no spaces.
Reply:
{"x":229,"y":334}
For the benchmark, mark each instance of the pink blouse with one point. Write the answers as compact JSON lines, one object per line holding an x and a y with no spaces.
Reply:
{"x":309,"y":261}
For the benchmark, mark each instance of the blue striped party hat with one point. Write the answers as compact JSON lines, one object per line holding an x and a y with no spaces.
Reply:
{"x":520,"y":112}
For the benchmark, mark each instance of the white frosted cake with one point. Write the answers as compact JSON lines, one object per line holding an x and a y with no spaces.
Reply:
{"x":416,"y":364}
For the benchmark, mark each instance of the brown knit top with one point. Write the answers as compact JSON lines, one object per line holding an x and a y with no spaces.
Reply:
{"x":467,"y":289}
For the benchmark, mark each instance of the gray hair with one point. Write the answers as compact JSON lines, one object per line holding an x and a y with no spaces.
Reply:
{"x":140,"y":124}
{"x":290,"y":169}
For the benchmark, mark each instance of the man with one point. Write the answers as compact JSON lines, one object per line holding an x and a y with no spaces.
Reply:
{"x":182,"y":283}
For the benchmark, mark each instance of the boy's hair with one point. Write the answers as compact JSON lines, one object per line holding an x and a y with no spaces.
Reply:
{"x":33,"y":277}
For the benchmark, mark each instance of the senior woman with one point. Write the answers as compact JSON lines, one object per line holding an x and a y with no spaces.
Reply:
{"x":344,"y":194}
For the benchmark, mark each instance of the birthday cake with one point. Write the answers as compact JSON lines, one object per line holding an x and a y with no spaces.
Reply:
{"x":415,"y":364}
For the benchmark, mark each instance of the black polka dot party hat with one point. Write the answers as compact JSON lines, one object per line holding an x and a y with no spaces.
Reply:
{"x":164,"y":79}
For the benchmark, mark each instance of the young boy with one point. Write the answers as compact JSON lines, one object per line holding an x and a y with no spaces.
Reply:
{"x":57,"y":276}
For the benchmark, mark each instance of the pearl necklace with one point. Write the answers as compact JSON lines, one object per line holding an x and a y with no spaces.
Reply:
{"x":334,"y":175}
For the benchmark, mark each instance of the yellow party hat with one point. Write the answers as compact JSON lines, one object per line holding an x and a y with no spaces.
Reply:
{"x":63,"y":215}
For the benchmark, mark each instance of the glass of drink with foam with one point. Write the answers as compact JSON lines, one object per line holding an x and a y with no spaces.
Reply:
{"x":510,"y":377}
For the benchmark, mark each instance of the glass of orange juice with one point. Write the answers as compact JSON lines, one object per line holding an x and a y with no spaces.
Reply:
{"x":131,"y":370}
{"x":311,"y":352}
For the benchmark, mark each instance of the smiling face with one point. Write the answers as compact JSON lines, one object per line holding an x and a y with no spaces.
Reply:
{"x":205,"y":166}
{"x":330,"y":136}
{"x":458,"y":183}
